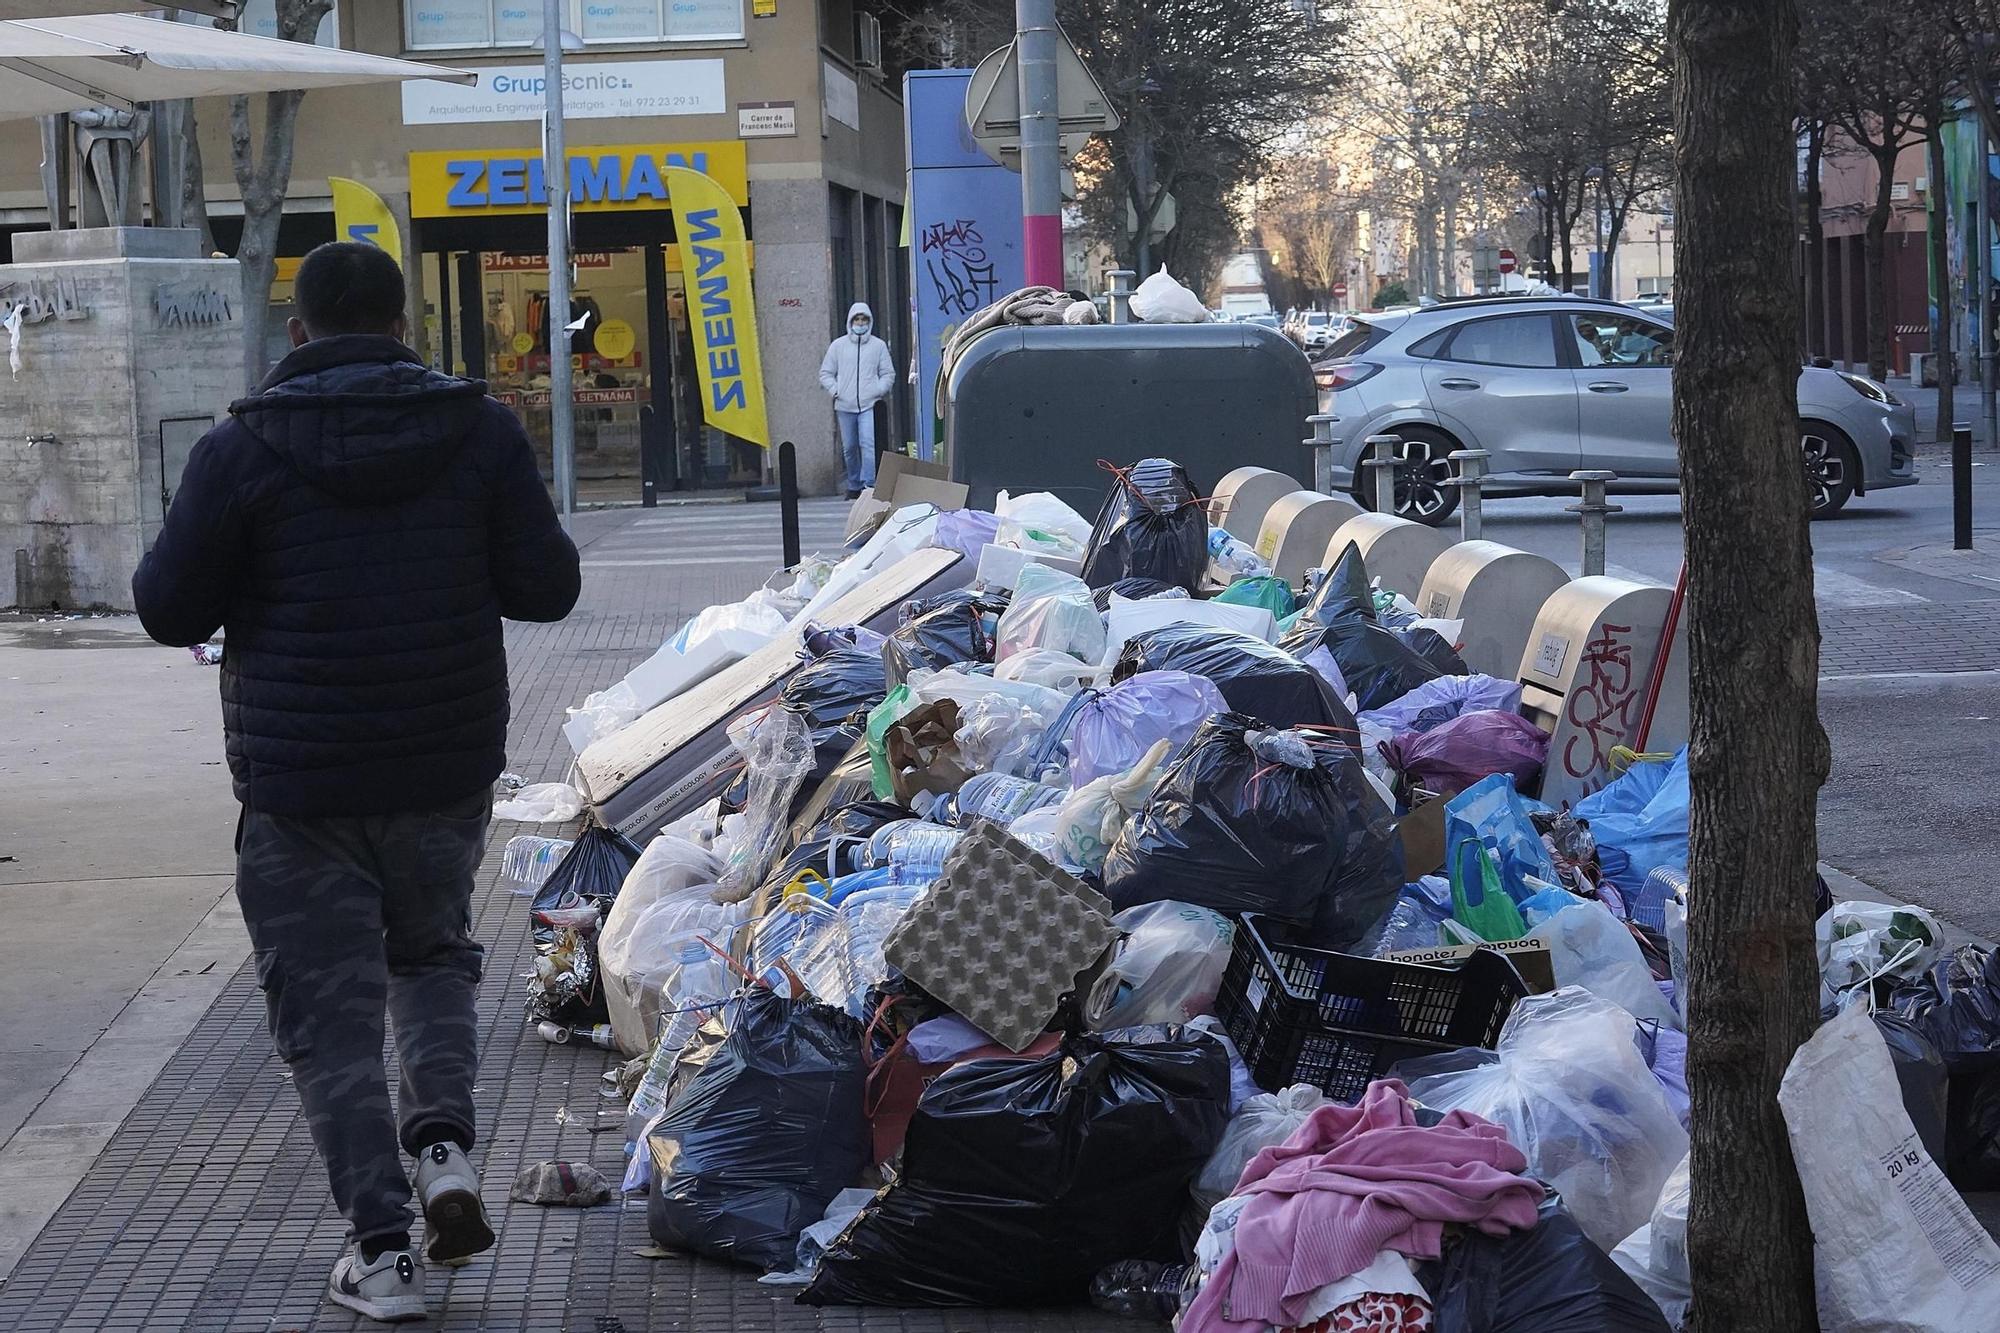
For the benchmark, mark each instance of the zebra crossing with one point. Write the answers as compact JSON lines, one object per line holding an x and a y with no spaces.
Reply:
{"x":721,"y":534}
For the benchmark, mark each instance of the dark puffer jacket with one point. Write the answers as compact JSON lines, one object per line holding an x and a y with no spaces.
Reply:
{"x":359,"y":527}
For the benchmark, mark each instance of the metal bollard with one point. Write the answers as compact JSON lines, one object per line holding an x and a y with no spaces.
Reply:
{"x":788,"y":501}
{"x":1383,"y":449}
{"x":1471,"y":493}
{"x":1321,"y":442}
{"x":1961,"y":486}
{"x":1121,"y":295}
{"x":1593,"y":511}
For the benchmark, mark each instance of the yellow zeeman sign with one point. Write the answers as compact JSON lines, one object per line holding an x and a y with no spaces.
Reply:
{"x":716,"y":265}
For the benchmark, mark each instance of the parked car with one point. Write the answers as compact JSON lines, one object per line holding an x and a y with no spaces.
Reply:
{"x":1314,"y":331}
{"x":1548,"y":385}
{"x":1267,"y":319}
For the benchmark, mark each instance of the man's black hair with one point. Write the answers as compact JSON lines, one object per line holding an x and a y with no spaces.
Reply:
{"x":348,"y":287}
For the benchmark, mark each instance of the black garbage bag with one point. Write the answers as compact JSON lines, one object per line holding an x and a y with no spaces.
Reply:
{"x":1281,"y":823}
{"x":1152,"y":526}
{"x":1022,"y":1178}
{"x":1548,"y":1280}
{"x":590,"y":874}
{"x":1957,"y":1005}
{"x":756,"y":1142}
{"x":835,"y":686}
{"x":959,"y":630}
{"x":1377,"y":664}
{"x":1434,"y":648}
{"x":1132,"y":590}
{"x":1255,"y":678}
{"x":1343,"y":594}
{"x":1920,"y":1074}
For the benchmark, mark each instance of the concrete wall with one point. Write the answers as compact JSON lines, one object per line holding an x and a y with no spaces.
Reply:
{"x":80,"y":465}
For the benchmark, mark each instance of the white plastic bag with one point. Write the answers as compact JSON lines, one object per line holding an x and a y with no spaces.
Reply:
{"x":1655,"y":1256}
{"x":541,"y":803}
{"x":1166,"y":969}
{"x":671,"y":875}
{"x":965,"y":688}
{"x":1265,"y":1121}
{"x":1089,"y":819}
{"x":1574,"y":1095}
{"x":602,"y":713}
{"x":997,"y":734}
{"x":1037,"y":521}
{"x":1161,"y":300}
{"x":908,"y":529}
{"x":1895,"y":1249}
{"x":1129,"y":617}
{"x":1861,"y":940}
{"x":1050,"y":610}
{"x":1055,"y":671}
{"x":1591,"y":948}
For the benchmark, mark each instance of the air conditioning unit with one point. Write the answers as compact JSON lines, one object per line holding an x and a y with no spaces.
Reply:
{"x":868,"y":42}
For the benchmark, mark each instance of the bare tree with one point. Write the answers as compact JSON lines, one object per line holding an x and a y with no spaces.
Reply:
{"x":264,"y":176}
{"x":1757,"y":754}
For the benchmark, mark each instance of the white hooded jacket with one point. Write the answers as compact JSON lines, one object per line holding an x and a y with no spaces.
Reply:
{"x":857,"y":372}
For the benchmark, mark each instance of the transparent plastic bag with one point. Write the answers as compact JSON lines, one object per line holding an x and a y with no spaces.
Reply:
{"x":1093,"y":815}
{"x":1264,"y":1121}
{"x":777,"y":748}
{"x":1655,"y":1256}
{"x":1859,"y":941}
{"x":1165,"y":970}
{"x":603,"y":713}
{"x":1050,"y":610}
{"x":997,"y":734}
{"x":541,"y":803}
{"x":1591,"y":948}
{"x":1573,"y":1093}
{"x":1037,"y":521}
{"x":1053,"y":671}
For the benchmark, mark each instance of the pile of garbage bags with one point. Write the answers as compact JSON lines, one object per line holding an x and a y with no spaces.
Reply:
{"x":1064,"y":936}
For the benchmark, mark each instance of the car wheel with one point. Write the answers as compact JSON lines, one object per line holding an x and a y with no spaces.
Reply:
{"x":1426,"y":481}
{"x":1831,"y":465}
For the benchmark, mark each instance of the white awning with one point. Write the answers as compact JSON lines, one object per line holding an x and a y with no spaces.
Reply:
{"x":48,"y":9}
{"x":64,"y":64}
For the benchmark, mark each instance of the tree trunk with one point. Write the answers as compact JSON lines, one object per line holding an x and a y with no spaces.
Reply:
{"x":194,"y":192}
{"x":1874,"y":248}
{"x":1758,"y":755}
{"x":1815,"y":241}
{"x":1940,"y":266}
{"x":1449,"y":248}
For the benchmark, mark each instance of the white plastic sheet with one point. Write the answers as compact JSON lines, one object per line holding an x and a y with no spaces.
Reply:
{"x":541,"y":803}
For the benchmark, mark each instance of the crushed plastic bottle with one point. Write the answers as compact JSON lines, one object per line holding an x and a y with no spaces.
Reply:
{"x":1001,"y":798}
{"x":1142,"y":1289}
{"x":915,"y":844}
{"x":529,"y":859}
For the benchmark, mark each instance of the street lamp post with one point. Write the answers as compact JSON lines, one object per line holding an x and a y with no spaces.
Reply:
{"x":555,"y":177}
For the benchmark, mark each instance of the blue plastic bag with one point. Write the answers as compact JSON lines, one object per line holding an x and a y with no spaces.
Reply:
{"x":1640,"y":822}
{"x":1490,"y":816}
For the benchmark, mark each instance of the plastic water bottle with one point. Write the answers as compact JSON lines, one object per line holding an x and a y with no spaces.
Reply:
{"x":1141,"y":1289}
{"x":915,"y":844}
{"x":1002,"y":798}
{"x":1237,"y":557}
{"x":529,"y":860}
{"x":699,"y":983}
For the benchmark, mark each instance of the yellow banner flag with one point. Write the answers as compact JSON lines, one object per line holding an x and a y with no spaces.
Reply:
{"x":715,"y":263}
{"x":360,"y":215}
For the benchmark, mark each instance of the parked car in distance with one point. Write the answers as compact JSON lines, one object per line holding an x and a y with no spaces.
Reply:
{"x":1314,"y":331}
{"x":1267,"y":319}
{"x":1549,"y":385}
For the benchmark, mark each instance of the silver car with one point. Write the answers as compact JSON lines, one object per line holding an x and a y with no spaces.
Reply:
{"x":1550,"y":385}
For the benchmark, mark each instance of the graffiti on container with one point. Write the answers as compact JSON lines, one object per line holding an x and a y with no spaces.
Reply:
{"x":954,"y":255}
{"x":1603,"y":708}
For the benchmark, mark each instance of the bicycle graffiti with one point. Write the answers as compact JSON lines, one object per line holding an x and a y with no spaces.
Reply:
{"x":1603,"y":709}
{"x":962,"y":278}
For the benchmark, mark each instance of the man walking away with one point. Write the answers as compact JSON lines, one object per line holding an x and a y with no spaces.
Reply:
{"x":358,"y":527}
{"x":857,"y":371}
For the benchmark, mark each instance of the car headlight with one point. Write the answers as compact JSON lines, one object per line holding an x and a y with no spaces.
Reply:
{"x":1869,"y":389}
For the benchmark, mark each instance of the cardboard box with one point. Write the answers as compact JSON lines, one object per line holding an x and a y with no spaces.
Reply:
{"x":1529,"y":956}
{"x":901,"y":480}
{"x":1422,"y":835}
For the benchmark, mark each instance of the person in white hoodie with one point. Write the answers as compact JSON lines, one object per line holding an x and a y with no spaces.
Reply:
{"x":857,"y":373}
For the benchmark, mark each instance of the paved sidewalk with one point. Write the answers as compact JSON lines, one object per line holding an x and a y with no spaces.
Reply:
{"x":208,"y":1209}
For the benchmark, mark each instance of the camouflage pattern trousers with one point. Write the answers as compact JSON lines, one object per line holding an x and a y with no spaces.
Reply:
{"x":351,"y":916}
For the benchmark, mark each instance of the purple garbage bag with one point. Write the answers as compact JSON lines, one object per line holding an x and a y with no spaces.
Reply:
{"x":1436,"y":702}
{"x":1112,"y":731}
{"x":965,"y":531}
{"x":1455,"y":754}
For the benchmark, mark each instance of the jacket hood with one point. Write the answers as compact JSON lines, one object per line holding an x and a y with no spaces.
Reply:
{"x":859,"y":308}
{"x":359,"y":415}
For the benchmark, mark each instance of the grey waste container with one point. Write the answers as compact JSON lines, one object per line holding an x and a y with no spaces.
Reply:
{"x":1035,"y":408}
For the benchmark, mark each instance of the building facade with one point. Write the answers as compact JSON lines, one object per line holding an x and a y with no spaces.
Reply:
{"x":1836,"y":295}
{"x":784,"y":102}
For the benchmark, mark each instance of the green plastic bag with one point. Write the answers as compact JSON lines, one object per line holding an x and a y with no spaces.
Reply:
{"x":1265,"y":590}
{"x":880,"y":718}
{"x":1479,"y":897}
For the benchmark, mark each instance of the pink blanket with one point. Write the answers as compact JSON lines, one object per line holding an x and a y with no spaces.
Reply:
{"x":1350,"y":1182}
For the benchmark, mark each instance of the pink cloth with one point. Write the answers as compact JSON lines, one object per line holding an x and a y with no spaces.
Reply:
{"x":1350,"y":1182}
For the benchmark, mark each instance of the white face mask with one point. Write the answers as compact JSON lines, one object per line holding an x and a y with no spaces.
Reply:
{"x":859,"y":328}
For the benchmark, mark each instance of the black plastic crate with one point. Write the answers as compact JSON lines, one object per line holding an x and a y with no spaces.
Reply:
{"x":1303,"y":1015}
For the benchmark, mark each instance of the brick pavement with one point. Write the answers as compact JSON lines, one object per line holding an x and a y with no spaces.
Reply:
{"x":209,"y":1211}
{"x":1918,"y":636}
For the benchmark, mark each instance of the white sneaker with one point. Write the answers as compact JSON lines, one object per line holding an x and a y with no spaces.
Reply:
{"x":455,"y":1221}
{"x":390,"y":1290}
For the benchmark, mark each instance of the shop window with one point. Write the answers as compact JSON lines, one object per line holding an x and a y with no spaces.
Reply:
{"x":447,"y":24}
